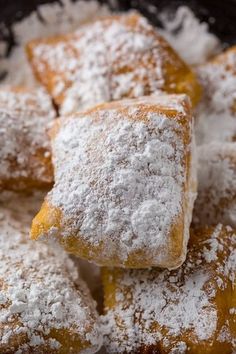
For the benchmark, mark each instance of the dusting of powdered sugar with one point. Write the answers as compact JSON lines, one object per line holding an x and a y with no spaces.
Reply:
{"x":41,"y":290}
{"x":216,"y":113}
{"x":50,"y":19}
{"x":116,"y":57}
{"x":120,"y":178}
{"x":155,"y":307}
{"x":216,"y":200}
{"x":24,"y":117}
{"x":188,"y":36}
{"x":55,"y":18}
{"x":107,"y":50}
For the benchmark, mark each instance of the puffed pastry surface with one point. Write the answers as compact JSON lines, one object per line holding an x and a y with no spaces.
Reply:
{"x":216,"y":198}
{"x":119,"y":56}
{"x":125,"y":183}
{"x":44,"y":305}
{"x":24,"y":145}
{"x":188,"y":310}
{"x":216,"y":116}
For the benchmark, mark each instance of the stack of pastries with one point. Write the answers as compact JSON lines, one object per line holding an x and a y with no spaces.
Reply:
{"x":109,"y":137}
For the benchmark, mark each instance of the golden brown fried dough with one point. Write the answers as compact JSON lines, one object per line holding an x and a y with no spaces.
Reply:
{"x":44,"y":305}
{"x":24,"y":145}
{"x":124,"y":183}
{"x":109,"y":59}
{"x":188,"y":310}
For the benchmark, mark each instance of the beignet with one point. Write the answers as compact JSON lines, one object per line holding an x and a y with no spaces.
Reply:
{"x":216,"y":199}
{"x":188,"y":310}
{"x":24,"y":145}
{"x":44,"y":305}
{"x":109,"y":59}
{"x":125,"y":183}
{"x":216,"y":118}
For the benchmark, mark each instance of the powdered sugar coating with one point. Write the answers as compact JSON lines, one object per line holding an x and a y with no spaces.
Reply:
{"x":24,"y":145}
{"x":216,"y":114}
{"x":41,"y":295}
{"x":55,"y":18}
{"x":106,"y":60}
{"x":175,"y":311}
{"x":124,"y":179}
{"x":100,"y":85}
{"x":188,"y":35}
{"x":216,"y":200}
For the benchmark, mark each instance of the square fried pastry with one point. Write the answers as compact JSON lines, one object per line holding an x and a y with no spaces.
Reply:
{"x":188,"y":310}
{"x":125,"y":183}
{"x":109,"y":59}
{"x":24,"y":145}
{"x":44,"y":305}
{"x":216,"y":118}
{"x":216,"y":198}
